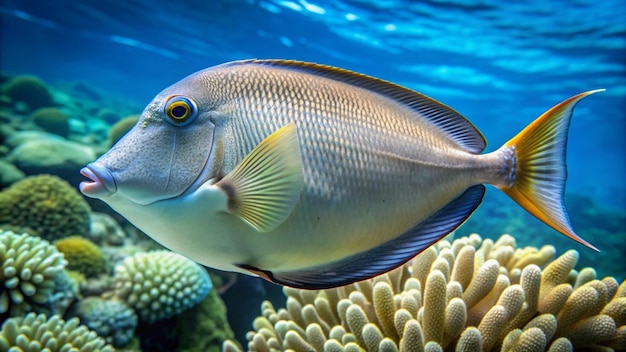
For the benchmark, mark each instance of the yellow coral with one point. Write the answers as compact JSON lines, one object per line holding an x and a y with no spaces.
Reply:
{"x":46,"y":206}
{"x":500,"y":299}
{"x":82,"y":256}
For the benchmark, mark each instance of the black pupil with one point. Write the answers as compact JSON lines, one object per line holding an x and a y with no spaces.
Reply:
{"x":179,"y":111}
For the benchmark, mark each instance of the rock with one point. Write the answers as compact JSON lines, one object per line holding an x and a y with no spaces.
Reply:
{"x":9,"y":174}
{"x":50,"y":156}
{"x":16,"y":138}
{"x":30,"y":90}
{"x":52,"y":120}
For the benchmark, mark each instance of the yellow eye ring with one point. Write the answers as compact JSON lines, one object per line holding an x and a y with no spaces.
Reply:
{"x":180,"y":110}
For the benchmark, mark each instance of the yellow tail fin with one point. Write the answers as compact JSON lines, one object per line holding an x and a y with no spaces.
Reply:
{"x":540,"y":170}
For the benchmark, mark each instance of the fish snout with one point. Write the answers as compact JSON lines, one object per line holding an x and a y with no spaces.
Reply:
{"x":101,"y":182}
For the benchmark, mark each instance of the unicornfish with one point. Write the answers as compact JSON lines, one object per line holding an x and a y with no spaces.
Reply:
{"x":313,"y":176}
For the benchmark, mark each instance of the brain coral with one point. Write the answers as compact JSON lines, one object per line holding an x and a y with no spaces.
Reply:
{"x":38,"y":333}
{"x":469,"y":295}
{"x":29,"y":266}
{"x":46,"y":206}
{"x":28,"y":89}
{"x":82,"y":255}
{"x":160,"y":284}
{"x":110,"y":319}
{"x":52,"y":120}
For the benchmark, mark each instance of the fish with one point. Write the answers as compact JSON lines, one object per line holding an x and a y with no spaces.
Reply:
{"x":313,"y":176}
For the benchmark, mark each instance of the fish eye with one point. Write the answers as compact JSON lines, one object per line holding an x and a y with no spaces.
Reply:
{"x":180,"y":110}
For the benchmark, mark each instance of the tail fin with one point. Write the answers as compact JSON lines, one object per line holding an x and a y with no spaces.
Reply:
{"x":540,"y":170}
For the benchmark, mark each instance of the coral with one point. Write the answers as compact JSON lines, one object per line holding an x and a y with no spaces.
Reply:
{"x":30,"y":266}
{"x":82,"y":255}
{"x":110,"y":319}
{"x":160,"y":284}
{"x":38,"y":333}
{"x":28,"y":89}
{"x":66,"y":291}
{"x":119,"y":129}
{"x":52,"y":120}
{"x":105,"y":230}
{"x":468,"y":295}
{"x":46,"y":206}
{"x":204,"y":327}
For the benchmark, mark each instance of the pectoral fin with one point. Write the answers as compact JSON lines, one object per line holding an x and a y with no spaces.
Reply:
{"x":265,"y":186}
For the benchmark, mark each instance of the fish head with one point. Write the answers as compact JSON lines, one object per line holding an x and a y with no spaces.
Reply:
{"x":167,"y":153}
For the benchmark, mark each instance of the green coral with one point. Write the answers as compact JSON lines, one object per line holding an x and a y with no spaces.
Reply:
{"x":120,"y":128}
{"x":38,"y":333}
{"x":52,"y":120}
{"x":46,"y":206}
{"x":111,"y":319}
{"x":160,"y":284}
{"x":467,"y":295}
{"x":204,"y":327}
{"x":30,"y":267}
{"x":30,"y":90}
{"x":82,"y":256}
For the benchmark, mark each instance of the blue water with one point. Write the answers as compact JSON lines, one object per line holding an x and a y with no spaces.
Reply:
{"x":498,"y":63}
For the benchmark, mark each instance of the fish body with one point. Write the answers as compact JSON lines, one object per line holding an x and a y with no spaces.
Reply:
{"x":313,"y":176}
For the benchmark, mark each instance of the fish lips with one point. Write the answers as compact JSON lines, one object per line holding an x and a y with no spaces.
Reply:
{"x":101,"y":182}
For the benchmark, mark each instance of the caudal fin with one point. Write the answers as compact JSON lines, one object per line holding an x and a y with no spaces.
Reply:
{"x":540,"y":170}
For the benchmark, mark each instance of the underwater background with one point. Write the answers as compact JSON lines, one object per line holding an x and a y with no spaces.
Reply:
{"x":78,"y":73}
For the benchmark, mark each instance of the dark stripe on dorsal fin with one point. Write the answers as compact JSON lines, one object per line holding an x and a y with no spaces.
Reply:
{"x":457,"y":127}
{"x":385,"y":257}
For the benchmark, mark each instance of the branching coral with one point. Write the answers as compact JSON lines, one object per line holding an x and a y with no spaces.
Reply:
{"x":160,"y":284}
{"x":30,"y":267}
{"x":38,"y":333}
{"x":468,"y":295}
{"x":82,"y":255}
{"x":46,"y":206}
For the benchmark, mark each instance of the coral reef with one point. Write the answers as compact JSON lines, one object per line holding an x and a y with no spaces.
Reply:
{"x":82,"y":255}
{"x":38,"y":333}
{"x":46,"y":206}
{"x":105,"y":230}
{"x":203,"y":328}
{"x":52,"y":120}
{"x":29,"y":266}
{"x":110,"y":319}
{"x":28,"y":89}
{"x":119,"y":129}
{"x":467,"y":295}
{"x":66,"y":291}
{"x":160,"y":284}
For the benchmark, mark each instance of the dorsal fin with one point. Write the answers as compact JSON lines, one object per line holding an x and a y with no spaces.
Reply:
{"x":457,"y":127}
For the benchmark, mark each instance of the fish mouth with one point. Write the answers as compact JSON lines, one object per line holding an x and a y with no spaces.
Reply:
{"x":100,"y":184}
